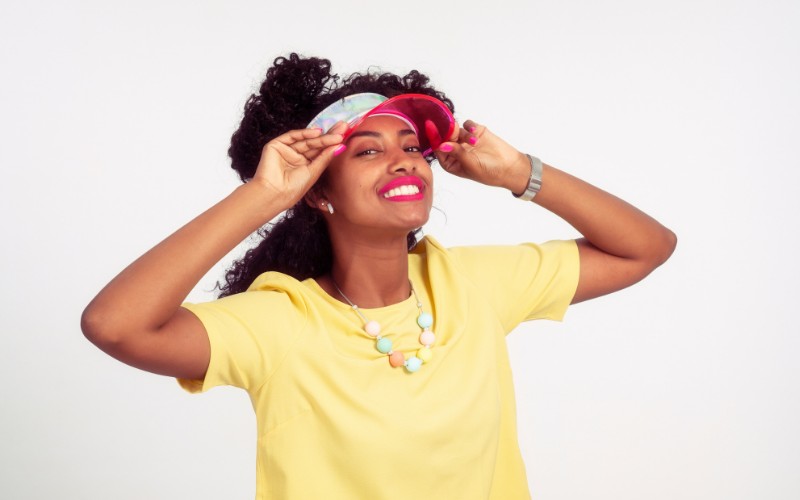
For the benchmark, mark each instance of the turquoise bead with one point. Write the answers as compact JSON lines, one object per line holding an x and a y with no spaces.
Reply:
{"x":425,"y":320}
{"x":413,"y":363}
{"x":384,"y":345}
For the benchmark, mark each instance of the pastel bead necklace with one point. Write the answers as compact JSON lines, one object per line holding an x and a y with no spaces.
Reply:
{"x":384,"y":344}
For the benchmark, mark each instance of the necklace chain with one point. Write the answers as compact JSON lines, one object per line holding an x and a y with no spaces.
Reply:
{"x":384,"y":345}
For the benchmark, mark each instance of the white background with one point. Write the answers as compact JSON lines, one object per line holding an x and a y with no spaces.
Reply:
{"x":114,"y":125}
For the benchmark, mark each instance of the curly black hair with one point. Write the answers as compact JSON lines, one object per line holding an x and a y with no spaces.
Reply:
{"x":295,"y":89}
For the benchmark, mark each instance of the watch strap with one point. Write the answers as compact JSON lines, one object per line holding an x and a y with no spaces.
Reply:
{"x":535,"y":180}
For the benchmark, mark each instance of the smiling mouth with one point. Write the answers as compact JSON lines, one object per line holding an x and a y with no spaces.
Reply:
{"x":408,"y":190}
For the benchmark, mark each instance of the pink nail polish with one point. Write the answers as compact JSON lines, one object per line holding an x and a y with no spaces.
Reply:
{"x":339,"y":150}
{"x":446,"y":148}
{"x":473,"y":140}
{"x":472,"y":130}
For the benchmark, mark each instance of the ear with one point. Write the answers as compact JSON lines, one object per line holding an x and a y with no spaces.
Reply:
{"x":315,"y":198}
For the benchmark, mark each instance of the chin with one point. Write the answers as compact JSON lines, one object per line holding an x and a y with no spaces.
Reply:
{"x":418,"y":222}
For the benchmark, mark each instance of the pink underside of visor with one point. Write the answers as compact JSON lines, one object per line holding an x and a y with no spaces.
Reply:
{"x":395,"y":114}
{"x":381,"y":110}
{"x":352,"y":126}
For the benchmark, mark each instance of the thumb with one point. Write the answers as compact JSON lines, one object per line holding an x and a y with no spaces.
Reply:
{"x":322,"y":160}
{"x":451,"y":156}
{"x":432,"y":133}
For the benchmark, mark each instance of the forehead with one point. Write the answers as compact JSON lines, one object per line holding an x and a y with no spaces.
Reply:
{"x":383,"y":124}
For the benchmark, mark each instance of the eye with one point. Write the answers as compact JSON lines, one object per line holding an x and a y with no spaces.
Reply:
{"x":368,"y":152}
{"x":413,"y":149}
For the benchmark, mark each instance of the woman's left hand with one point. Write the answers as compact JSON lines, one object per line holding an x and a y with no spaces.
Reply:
{"x":477,"y":154}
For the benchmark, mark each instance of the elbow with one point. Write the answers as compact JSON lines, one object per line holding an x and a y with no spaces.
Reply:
{"x":669,"y":245}
{"x":92,"y":325}
{"x":97,"y":327}
{"x":663,"y":246}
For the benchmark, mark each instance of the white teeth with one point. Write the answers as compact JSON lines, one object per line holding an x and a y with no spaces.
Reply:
{"x":401,"y":191}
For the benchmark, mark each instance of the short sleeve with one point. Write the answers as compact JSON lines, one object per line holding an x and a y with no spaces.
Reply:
{"x":250,"y":333}
{"x":524,"y":282}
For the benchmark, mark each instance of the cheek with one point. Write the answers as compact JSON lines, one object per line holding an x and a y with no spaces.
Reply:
{"x":426,"y":173}
{"x":335,"y":179}
{"x":348,"y":189}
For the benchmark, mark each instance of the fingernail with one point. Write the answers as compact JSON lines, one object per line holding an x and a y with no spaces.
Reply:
{"x":472,"y":130}
{"x":339,"y":150}
{"x":473,"y":140}
{"x":446,"y":148}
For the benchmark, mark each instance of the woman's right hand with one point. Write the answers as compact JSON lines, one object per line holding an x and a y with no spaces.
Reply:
{"x":137,"y":317}
{"x":291,"y":163}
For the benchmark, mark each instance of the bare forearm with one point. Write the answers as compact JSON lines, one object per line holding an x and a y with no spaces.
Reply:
{"x":147,"y":293}
{"x":620,"y":244}
{"x":607,"y":222}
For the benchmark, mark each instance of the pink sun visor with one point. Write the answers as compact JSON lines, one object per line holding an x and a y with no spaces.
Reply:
{"x":429,"y":117}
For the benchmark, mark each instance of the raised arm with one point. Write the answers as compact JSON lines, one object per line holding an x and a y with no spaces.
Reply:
{"x":620,"y":244}
{"x":137,"y":317}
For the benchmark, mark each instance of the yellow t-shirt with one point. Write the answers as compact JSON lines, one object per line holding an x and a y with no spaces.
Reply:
{"x":335,"y":421}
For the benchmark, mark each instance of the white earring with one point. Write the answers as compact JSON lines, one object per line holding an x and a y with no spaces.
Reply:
{"x":329,"y":207}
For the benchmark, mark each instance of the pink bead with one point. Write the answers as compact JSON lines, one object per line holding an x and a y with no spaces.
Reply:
{"x":373,"y":328}
{"x":427,"y":338}
{"x":397,"y":359}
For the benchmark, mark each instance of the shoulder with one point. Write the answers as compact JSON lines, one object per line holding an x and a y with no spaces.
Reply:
{"x":523,"y":281}
{"x":272,"y":295}
{"x":555,"y":252}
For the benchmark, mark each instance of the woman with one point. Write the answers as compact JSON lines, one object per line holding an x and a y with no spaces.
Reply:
{"x":376,"y":365}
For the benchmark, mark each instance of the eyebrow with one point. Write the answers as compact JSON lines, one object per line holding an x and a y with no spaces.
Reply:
{"x":370,"y":133}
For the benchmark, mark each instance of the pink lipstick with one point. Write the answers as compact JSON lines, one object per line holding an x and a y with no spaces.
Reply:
{"x":407,"y":188}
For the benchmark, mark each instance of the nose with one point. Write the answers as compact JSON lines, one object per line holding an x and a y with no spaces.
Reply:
{"x":400,"y":161}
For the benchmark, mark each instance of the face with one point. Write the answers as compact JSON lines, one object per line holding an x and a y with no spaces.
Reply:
{"x":381,"y":184}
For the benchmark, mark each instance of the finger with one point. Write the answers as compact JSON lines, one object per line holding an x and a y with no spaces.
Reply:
{"x":473,"y":127}
{"x":338,"y":132}
{"x":454,"y":149}
{"x":339,"y":127}
{"x":471,"y":133}
{"x":321,"y":161}
{"x":454,"y":135}
{"x":463,"y":143}
{"x":293,"y":136}
{"x":297,"y":135}
{"x":291,"y":156}
{"x":432,"y":133}
{"x":310,"y":148}
{"x":320,"y":142}
{"x":449,"y":156}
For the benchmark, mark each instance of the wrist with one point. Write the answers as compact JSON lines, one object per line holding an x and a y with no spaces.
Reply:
{"x":516,"y":180}
{"x":533,"y":180}
{"x":260,"y":203}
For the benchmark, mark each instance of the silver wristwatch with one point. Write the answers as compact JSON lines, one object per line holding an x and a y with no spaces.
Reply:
{"x":535,"y":181}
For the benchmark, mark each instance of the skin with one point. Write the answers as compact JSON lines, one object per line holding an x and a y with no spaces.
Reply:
{"x":368,"y":232}
{"x":137,"y":317}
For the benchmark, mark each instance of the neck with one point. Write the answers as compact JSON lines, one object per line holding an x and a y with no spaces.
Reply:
{"x":371,"y":273}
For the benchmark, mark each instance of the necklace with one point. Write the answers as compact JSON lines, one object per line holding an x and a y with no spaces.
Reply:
{"x":384,"y":344}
